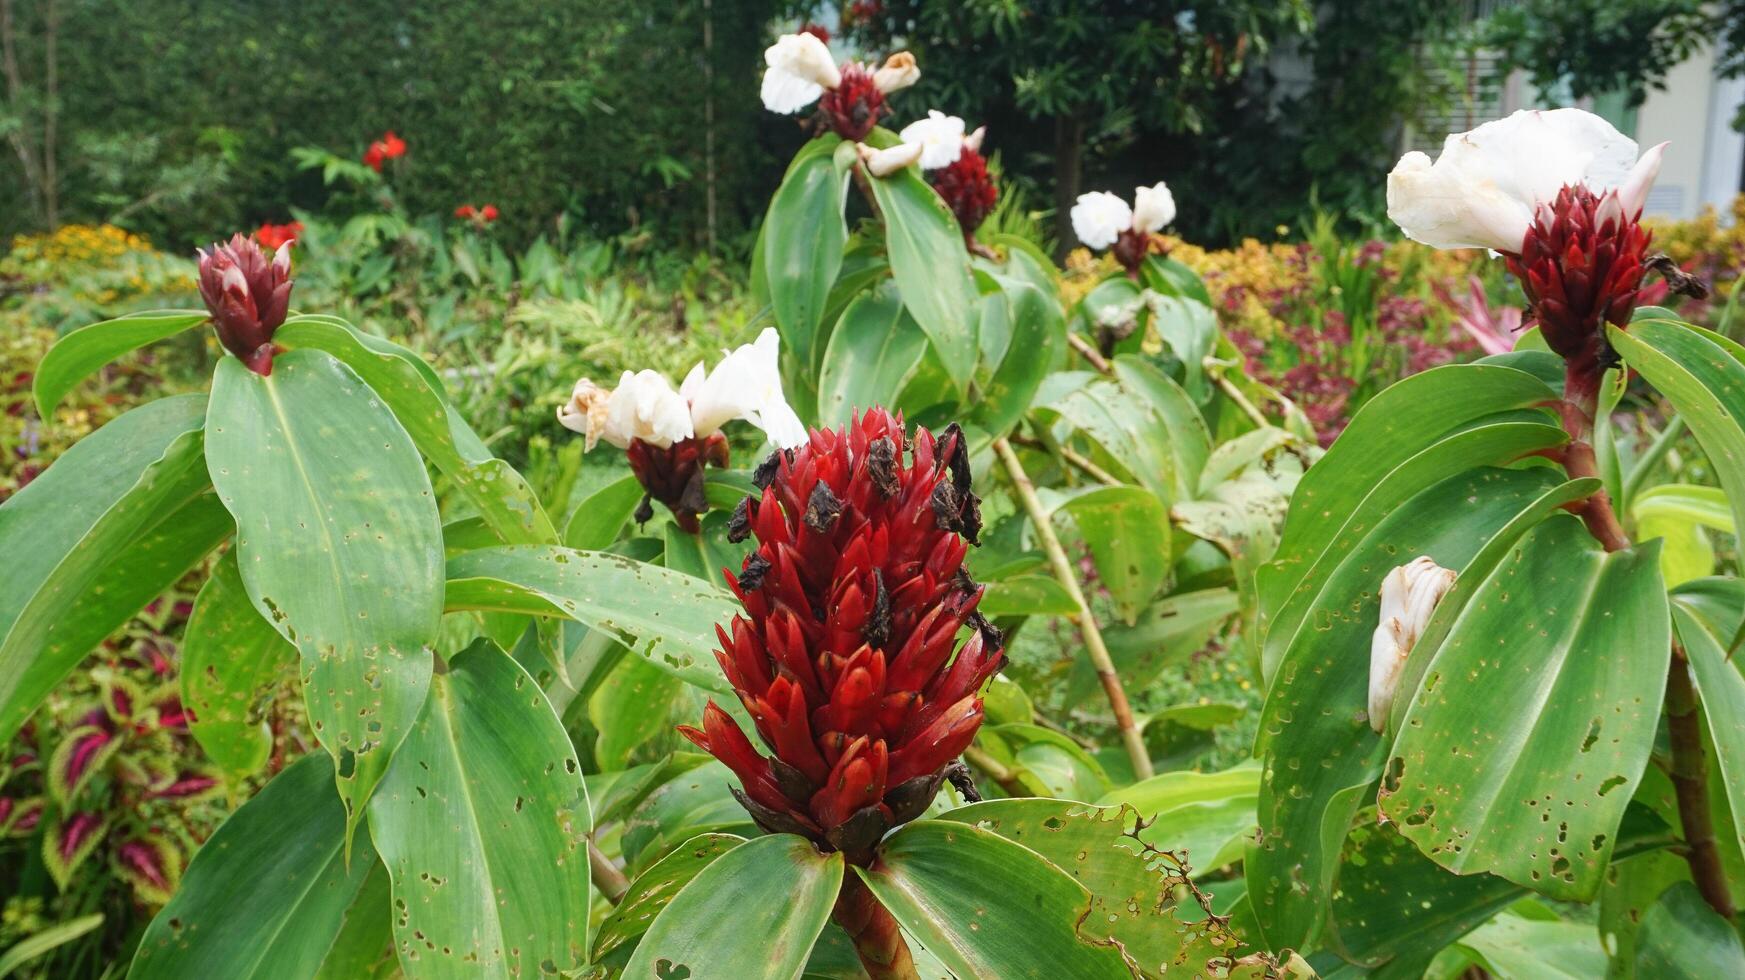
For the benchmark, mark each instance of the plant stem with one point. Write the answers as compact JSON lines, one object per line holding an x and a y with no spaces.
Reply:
{"x":878,"y":940}
{"x":1002,"y":776}
{"x":1087,"y":624}
{"x":606,"y":875}
{"x":1235,"y":394}
{"x":1689,"y":770}
{"x":1089,"y":353}
{"x":1690,"y":781}
{"x":1078,"y":460}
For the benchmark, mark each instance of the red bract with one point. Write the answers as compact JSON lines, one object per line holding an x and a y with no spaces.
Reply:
{"x":844,"y":657}
{"x":1581,"y":265}
{"x":674,"y":475}
{"x":1130,"y":249}
{"x":488,"y":212}
{"x":818,"y":31}
{"x":276,"y":236}
{"x":247,"y":296}
{"x":389,"y":147}
{"x":464,"y":211}
{"x":855,"y":105}
{"x":967,"y":189}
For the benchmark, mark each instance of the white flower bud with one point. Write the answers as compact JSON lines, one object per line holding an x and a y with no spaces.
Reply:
{"x":1409,"y":595}
{"x":1099,"y":218}
{"x":646,"y":407}
{"x":800,"y":69}
{"x":1153,"y":207}
{"x":899,"y":72}
{"x":883,"y":163}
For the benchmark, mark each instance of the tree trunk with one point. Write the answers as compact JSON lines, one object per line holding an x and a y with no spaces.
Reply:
{"x":1069,"y":136}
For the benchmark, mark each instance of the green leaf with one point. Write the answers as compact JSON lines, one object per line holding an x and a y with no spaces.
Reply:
{"x":1027,"y":595}
{"x":664,"y":615}
{"x":1721,"y":691}
{"x":1169,"y":631}
{"x":931,"y":268}
{"x":482,"y":823}
{"x":1678,"y":512}
{"x":415,"y":396}
{"x":952,"y":886}
{"x":1130,"y":434}
{"x":1190,"y":442}
{"x":46,"y":940}
{"x":803,"y":235}
{"x":1682,"y":937}
{"x":80,"y":353}
{"x":634,"y":704}
{"x":1701,"y":375}
{"x":1037,"y":335}
{"x":599,"y":519}
{"x":1512,"y":947}
{"x":1203,"y":818}
{"x":873,"y":353}
{"x":1561,"y":652}
{"x":1314,"y":732}
{"x":1172,"y":278}
{"x":1123,"y":527}
{"x":339,"y":544}
{"x":98,"y":534}
{"x":654,"y":890}
{"x":232,"y":660}
{"x":1190,"y":329}
{"x":695,"y":800}
{"x":1141,"y":897}
{"x":270,"y":893}
{"x":753,"y":912}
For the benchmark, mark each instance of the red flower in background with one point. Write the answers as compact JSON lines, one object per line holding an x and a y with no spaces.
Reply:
{"x":488,"y":212}
{"x":844,"y":656}
{"x":273,"y":236}
{"x":389,"y":147}
{"x":818,"y":31}
{"x":465,"y":211}
{"x":479,"y":215}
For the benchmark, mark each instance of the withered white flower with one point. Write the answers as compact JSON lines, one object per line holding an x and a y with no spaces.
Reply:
{"x":883,"y":163}
{"x":1409,"y":595}
{"x":940,"y":137}
{"x":1484,"y":189}
{"x":899,"y":72}
{"x":799,"y":69}
{"x":645,"y":407}
{"x":585,"y":412}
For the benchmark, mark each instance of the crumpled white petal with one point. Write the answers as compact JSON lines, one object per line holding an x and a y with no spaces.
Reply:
{"x":747,"y":384}
{"x":1483,"y":190}
{"x":973,"y":142}
{"x":585,"y":412}
{"x":1099,"y":218}
{"x":646,"y":407}
{"x":891,"y":159}
{"x":1153,"y":207}
{"x":800,"y":69}
{"x":1409,"y":595}
{"x":899,"y":72}
{"x":940,"y":137}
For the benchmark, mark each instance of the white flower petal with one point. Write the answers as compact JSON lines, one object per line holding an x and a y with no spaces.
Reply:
{"x":800,"y":69}
{"x":1483,"y":190}
{"x":747,"y":384}
{"x":940,"y":137}
{"x":1633,"y":192}
{"x":646,"y":407}
{"x":899,"y":72}
{"x":1153,"y":207}
{"x":1099,"y":218}
{"x":785,"y":92}
{"x":891,"y":159}
{"x":1409,"y":595}
{"x":585,"y":412}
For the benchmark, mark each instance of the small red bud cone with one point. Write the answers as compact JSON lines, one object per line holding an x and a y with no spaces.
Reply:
{"x":855,"y":105}
{"x":847,"y":657}
{"x":674,"y":475}
{"x":1581,"y":266}
{"x":248,"y":296}
{"x":967,"y":189}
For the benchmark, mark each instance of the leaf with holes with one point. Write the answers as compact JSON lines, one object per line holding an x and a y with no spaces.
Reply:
{"x":232,"y":660}
{"x":339,"y":545}
{"x":753,"y":912}
{"x":270,"y":893}
{"x":1526,"y":739}
{"x":101,"y":532}
{"x":1203,"y":817}
{"x":82,"y":352}
{"x":654,"y":890}
{"x":1141,"y":898}
{"x":482,"y":823}
{"x":664,"y":615}
{"x":1123,"y":527}
{"x":1126,"y":431}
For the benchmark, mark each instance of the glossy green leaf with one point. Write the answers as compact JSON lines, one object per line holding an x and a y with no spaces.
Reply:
{"x":1721,"y":691}
{"x":270,"y":893}
{"x":1168,"y":631}
{"x":1512,"y":947}
{"x":1704,"y":380}
{"x":1526,"y":739}
{"x":874,"y":351}
{"x":600,"y":518}
{"x":87,"y":543}
{"x":232,"y":661}
{"x":1036,"y":336}
{"x":655,"y":888}
{"x":694,"y":800}
{"x":1027,"y":595}
{"x":1190,"y":442}
{"x":931,"y":268}
{"x":664,"y":615}
{"x":1189,"y":329}
{"x":1141,"y":897}
{"x":79,"y":354}
{"x":44,"y":941}
{"x":1679,"y":512}
{"x":1314,"y":735}
{"x":1201,"y":817}
{"x":633,"y":704}
{"x":1170,"y":277}
{"x":953,"y":887}
{"x":482,"y":823}
{"x":415,"y":396}
{"x":1130,"y":434}
{"x":1682,"y":937}
{"x":803,"y":235}
{"x":1124,"y":527}
{"x":753,"y":912}
{"x":339,"y":545}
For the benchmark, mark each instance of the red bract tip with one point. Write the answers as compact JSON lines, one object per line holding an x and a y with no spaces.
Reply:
{"x":248,"y":296}
{"x":967,"y":190}
{"x":847,"y":656}
{"x":1581,"y":264}
{"x":855,"y":105}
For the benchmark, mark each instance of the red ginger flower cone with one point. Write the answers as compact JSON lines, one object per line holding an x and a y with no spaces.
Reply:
{"x":1581,"y":266}
{"x":844,"y":657}
{"x":248,"y":296}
